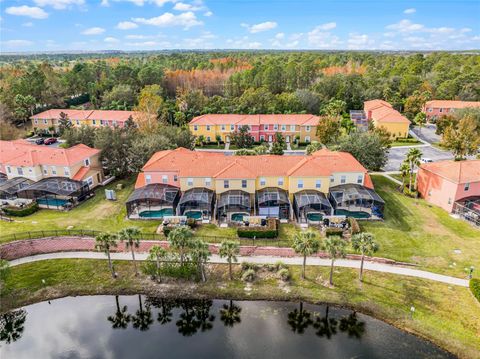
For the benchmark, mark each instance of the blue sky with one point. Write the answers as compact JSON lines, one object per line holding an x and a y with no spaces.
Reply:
{"x":56,"y":25}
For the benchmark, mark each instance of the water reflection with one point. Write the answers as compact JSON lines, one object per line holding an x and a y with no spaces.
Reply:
{"x":230,"y":314}
{"x":121,"y":318}
{"x":12,"y":325}
{"x":143,"y":316}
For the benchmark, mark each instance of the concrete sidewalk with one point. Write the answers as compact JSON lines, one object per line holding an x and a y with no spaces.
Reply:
{"x":346,"y":263}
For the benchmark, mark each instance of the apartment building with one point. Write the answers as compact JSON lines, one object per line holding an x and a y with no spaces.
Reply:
{"x":382,"y":114}
{"x":437,"y":108}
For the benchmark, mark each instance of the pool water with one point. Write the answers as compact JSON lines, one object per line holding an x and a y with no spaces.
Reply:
{"x":194,"y":214}
{"x":354,"y":214}
{"x":238,"y":217}
{"x":314,"y":217}
{"x":52,"y":201}
{"x":157,"y":214}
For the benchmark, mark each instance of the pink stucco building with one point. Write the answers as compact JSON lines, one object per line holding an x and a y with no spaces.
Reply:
{"x":445,"y":182}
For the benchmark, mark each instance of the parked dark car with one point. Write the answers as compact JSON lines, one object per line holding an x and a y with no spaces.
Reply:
{"x":40,"y":141}
{"x":50,"y":140}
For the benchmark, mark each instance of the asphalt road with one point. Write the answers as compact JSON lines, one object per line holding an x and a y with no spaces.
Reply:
{"x":397,"y":155}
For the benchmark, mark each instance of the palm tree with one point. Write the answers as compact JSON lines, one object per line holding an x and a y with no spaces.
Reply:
{"x":130,"y":237}
{"x":413,"y":157}
{"x":121,"y":318}
{"x":352,"y":326}
{"x":229,"y":249}
{"x":336,"y":248}
{"x":200,"y":256}
{"x":143,"y":317}
{"x":299,"y":320}
{"x":230,"y":314}
{"x":305,"y":243}
{"x":158,"y":254}
{"x":180,"y":239}
{"x":365,"y":244}
{"x":325,"y":326}
{"x":404,"y":170}
{"x":12,"y":325}
{"x":104,"y":242}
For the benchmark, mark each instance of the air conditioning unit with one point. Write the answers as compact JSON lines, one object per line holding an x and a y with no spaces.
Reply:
{"x":110,"y":195}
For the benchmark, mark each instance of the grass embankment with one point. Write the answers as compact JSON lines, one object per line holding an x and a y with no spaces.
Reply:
{"x":447,"y":315}
{"x":96,"y":213}
{"x":409,"y":142}
{"x":417,"y":232}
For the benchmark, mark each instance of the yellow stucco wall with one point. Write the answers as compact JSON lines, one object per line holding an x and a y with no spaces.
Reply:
{"x":308,"y":183}
{"x":235,"y":184}
{"x":396,"y":129}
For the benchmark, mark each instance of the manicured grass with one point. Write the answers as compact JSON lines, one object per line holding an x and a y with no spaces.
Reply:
{"x":97,"y":213}
{"x":447,"y":315}
{"x":411,"y":142}
{"x":211,"y":230}
{"x":415,"y":231}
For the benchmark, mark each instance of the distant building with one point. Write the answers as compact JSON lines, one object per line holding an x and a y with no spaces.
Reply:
{"x":261,"y":127}
{"x":382,"y":114}
{"x":49,"y":119}
{"x":437,"y":108}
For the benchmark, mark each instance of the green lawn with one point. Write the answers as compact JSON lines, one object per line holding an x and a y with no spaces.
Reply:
{"x":97,"y":213}
{"x":410,"y":142}
{"x":447,"y":315}
{"x":415,"y":231}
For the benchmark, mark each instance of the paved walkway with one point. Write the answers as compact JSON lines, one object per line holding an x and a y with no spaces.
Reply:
{"x":315,"y":261}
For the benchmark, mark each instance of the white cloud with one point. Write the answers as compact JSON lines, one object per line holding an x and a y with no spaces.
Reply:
{"x":327,"y":26}
{"x":186,"y":19}
{"x":58,"y":4}
{"x":30,"y":11}
{"x":320,"y":37}
{"x":263,"y":26}
{"x":410,"y":11}
{"x":111,"y":40}
{"x":138,"y":37}
{"x":208,"y":14}
{"x":405,"y":26}
{"x":27,"y":24}
{"x":93,"y":31}
{"x":159,"y":3}
{"x":359,"y":41}
{"x":181,"y":6}
{"x":105,"y":3}
{"x":126,"y":25}
{"x":243,"y":43}
{"x":17,"y":43}
{"x":280,"y":36}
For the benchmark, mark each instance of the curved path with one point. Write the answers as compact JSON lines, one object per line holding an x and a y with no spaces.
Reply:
{"x":347,"y":263}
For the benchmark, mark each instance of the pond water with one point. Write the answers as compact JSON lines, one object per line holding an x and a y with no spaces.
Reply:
{"x":144,"y":327}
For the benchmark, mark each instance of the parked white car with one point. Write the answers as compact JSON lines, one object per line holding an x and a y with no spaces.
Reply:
{"x":425,"y":160}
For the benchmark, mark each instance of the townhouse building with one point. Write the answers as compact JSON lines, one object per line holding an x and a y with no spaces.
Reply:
{"x":261,"y":127}
{"x":382,"y":114}
{"x":437,"y":108}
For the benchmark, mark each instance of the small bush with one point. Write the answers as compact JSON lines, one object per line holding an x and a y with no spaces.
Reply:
{"x":280,"y":265}
{"x":191,"y":223}
{"x":284,"y":274}
{"x":354,"y":226}
{"x":249,"y":276}
{"x":271,"y":267}
{"x":21,"y":212}
{"x":166,"y":230}
{"x":249,"y":266}
{"x":475,"y":287}
{"x":334,"y":232}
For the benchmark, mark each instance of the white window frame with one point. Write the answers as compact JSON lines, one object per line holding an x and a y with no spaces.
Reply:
{"x":318,"y":183}
{"x":300,"y":183}
{"x":175,"y":178}
{"x":332,"y":178}
{"x":208,"y":182}
{"x":360,"y":179}
{"x":244,"y":183}
{"x":77,"y":122}
{"x":148,"y":179}
{"x":20,"y":171}
{"x":54,"y":170}
{"x":35,"y":121}
{"x":292,"y":128}
{"x":89,"y":181}
{"x":275,"y":127}
{"x":284,"y":128}
{"x":265,"y":127}
{"x":343,"y":179}
{"x":94,"y":122}
{"x":232,"y":127}
{"x":195,"y":127}
{"x":86,"y":162}
{"x":9,"y":169}
{"x":307,"y":128}
{"x":263,"y":181}
{"x":208,"y":127}
{"x":466,"y":187}
{"x":164,"y":178}
{"x":430,"y":109}
{"x":262,"y":137}
{"x":280,"y":181}
{"x":45,"y":121}
{"x":223,"y":127}
{"x":66,"y":171}
{"x":226,"y":184}
{"x":307,"y":139}
{"x":45,"y":170}
{"x":190,"y":182}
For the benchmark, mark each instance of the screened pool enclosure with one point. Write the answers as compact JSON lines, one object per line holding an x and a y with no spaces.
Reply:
{"x":354,"y":200}
{"x":197,"y":203}
{"x":273,"y":202}
{"x":311,"y":206}
{"x":234,"y":205}
{"x":9,"y":188}
{"x":153,"y":201}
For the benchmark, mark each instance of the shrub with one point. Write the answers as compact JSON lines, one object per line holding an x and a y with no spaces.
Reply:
{"x":249,"y":266}
{"x":280,"y":265}
{"x":284,"y":274}
{"x":166,"y":230}
{"x":192,"y":223}
{"x":334,"y":232}
{"x":354,"y":226}
{"x":21,"y":212}
{"x":271,"y":267}
{"x":249,"y":275}
{"x":257,"y":233}
{"x":475,"y":287}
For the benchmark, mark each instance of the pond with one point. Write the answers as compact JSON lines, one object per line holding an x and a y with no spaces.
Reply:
{"x":145,"y":327}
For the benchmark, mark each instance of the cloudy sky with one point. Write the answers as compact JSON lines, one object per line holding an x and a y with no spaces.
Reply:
{"x":55,"y":25}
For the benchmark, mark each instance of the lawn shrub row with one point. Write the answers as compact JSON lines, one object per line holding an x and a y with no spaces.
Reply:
{"x":475,"y":287}
{"x":334,"y":232}
{"x":21,"y":212}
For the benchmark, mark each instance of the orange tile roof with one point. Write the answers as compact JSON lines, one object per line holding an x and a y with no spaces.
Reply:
{"x":267,"y":119}
{"x":382,"y":111}
{"x":22,"y":153}
{"x":217,"y":165}
{"x":455,"y":171}
{"x":140,"y":182}
{"x":81,"y":173}
{"x":451,"y":104}
{"x":107,"y":115}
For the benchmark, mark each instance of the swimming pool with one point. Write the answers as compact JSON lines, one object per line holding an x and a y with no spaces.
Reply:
{"x":54,"y":202}
{"x":354,"y":214}
{"x":157,"y":213}
{"x":314,"y":216}
{"x":238,"y":217}
{"x":194,"y":214}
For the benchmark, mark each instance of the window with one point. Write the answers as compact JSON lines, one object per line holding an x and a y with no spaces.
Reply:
{"x":94,"y":122}
{"x":343,"y":179}
{"x":280,"y":181}
{"x":263,"y":181}
{"x":440,"y":110}
{"x":318,"y":183}
{"x":175,"y":178}
{"x":45,"y":122}
{"x":89,"y":181}
{"x":275,"y":127}
{"x":467,"y":186}
{"x":307,"y":139}
{"x":226,"y":184}
{"x":430,"y":192}
{"x":332,"y":179}
{"x":360,"y":179}
{"x":54,"y":170}
{"x":430,"y":109}
{"x":35,"y":121}
{"x":101,"y":123}
{"x":77,"y":122}
{"x":114,"y":122}
{"x":9,"y":170}
{"x":244,"y":183}
{"x":208,"y":182}
{"x":148,"y":179}
{"x":292,"y":127}
{"x":209,"y":139}
{"x":232,"y":127}
{"x":190,"y":182}
{"x":45,"y":170}
{"x":265,"y":127}
{"x":208,"y":127}
{"x":20,"y":171}
{"x":449,"y":200}
{"x":87,"y":162}
{"x":165,"y":179}
{"x":66,"y":171}
{"x":284,"y":127}
{"x":30,"y":170}
{"x":223,"y":127}
{"x":300,"y":183}
{"x":195,"y":128}
{"x":307,"y":128}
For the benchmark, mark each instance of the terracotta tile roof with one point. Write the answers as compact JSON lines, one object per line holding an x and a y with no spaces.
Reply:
{"x":455,"y":171}
{"x":140,"y":182}
{"x":451,"y":104}
{"x":382,"y":111}
{"x":22,"y":153}
{"x":268,"y":119}
{"x":217,"y":165}
{"x":107,"y":115}
{"x":80,"y":175}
